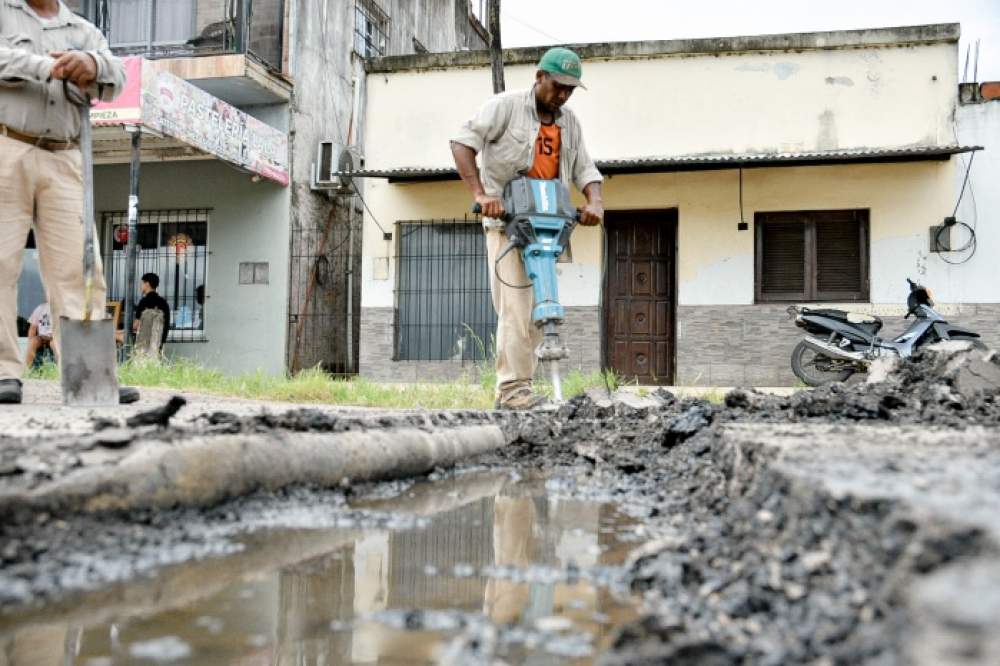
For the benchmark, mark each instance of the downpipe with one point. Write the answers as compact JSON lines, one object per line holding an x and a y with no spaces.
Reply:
{"x":836,"y":352}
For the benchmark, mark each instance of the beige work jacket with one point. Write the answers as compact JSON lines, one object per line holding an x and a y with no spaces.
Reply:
{"x":31,"y":102}
{"x":503,"y":133}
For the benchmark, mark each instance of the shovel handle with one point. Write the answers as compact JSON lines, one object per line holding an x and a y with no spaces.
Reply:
{"x":82,"y":101}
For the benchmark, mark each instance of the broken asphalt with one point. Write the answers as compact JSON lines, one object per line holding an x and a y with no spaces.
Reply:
{"x":849,"y":524}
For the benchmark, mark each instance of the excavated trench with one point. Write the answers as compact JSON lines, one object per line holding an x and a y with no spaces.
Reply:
{"x":846,"y":525}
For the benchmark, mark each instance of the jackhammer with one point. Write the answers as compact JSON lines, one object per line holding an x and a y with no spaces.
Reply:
{"x":538,"y":221}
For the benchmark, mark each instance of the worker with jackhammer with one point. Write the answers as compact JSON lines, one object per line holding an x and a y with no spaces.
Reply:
{"x":527,"y":133}
{"x":43,"y":48}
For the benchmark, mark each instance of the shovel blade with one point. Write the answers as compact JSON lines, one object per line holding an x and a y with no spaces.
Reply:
{"x":87,"y":362}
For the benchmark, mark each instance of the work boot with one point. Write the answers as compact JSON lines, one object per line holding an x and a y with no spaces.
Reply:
{"x":10,"y":391}
{"x":522,"y":399}
{"x":127,"y":395}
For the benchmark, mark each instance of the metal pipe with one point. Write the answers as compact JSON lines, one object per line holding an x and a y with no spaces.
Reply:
{"x":158,"y":475}
{"x":833,"y":351}
{"x":131,"y":256}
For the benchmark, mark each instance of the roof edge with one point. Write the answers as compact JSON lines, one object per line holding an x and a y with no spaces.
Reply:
{"x":934,"y":33}
{"x":707,"y":161}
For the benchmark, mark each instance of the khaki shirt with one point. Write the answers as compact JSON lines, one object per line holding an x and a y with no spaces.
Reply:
{"x":503,"y":132}
{"x":30,"y":101}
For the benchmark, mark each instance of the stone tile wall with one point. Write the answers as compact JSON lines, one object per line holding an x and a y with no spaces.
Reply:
{"x":580,"y":333}
{"x":751,"y":345}
{"x":717,"y":345}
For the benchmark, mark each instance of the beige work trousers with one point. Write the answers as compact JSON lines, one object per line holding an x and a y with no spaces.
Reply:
{"x":517,"y":337}
{"x":45,"y":188}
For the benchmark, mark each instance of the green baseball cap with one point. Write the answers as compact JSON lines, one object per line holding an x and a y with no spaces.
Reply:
{"x":563,"y":65}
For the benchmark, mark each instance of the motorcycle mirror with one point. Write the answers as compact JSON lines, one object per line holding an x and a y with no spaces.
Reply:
{"x":913,"y":285}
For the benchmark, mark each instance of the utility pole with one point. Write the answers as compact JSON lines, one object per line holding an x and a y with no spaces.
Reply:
{"x":496,"y":50}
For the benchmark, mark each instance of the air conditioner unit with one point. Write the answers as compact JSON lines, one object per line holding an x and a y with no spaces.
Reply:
{"x":332,"y":159}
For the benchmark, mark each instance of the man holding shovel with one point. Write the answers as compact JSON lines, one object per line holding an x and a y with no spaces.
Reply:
{"x":44,"y":49}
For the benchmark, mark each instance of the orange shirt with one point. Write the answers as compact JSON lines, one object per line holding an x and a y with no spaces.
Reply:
{"x":546,"y":164}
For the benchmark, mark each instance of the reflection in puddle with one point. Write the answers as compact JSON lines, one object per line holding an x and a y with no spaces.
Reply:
{"x":494,"y":558}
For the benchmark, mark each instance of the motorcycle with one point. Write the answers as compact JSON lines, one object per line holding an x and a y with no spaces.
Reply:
{"x":839,"y":344}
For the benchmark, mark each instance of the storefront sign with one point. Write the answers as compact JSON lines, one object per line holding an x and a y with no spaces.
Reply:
{"x":171,"y":106}
{"x":126,"y":109}
{"x":194,"y":116}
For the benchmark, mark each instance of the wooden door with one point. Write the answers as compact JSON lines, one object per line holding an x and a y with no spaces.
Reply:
{"x":640,"y":295}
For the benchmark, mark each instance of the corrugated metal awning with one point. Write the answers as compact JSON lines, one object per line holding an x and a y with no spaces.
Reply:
{"x":705,"y":162}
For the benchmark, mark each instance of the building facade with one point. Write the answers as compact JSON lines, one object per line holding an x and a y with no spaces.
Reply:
{"x":743,"y":175}
{"x":232,"y":100}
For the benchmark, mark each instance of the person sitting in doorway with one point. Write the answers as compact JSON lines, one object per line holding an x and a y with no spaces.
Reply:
{"x":39,"y":334}
{"x":150,"y":299}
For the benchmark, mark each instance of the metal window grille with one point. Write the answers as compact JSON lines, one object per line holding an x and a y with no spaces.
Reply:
{"x":444,"y":309}
{"x":370,"y":28}
{"x":174,"y":245}
{"x":175,"y":28}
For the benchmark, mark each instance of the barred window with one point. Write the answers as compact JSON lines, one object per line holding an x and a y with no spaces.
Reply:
{"x":812,"y":256}
{"x":444,"y":310}
{"x":371,"y":25}
{"x":173,"y":244}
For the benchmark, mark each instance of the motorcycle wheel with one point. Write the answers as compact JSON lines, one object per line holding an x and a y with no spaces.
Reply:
{"x":816,"y":369}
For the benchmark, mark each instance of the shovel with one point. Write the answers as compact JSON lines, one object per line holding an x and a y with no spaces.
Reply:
{"x":88,"y":368}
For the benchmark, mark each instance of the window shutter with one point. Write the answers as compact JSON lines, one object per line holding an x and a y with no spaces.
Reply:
{"x":782,"y":256}
{"x":819,"y":255}
{"x":838,"y":256}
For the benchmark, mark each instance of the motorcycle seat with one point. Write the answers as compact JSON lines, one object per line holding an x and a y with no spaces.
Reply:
{"x":867,"y":323}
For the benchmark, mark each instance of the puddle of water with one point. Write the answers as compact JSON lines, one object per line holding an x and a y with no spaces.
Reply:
{"x":489,"y":552}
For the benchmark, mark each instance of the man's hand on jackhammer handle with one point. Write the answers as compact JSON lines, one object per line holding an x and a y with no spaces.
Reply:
{"x":592,"y":214}
{"x":490,"y":206}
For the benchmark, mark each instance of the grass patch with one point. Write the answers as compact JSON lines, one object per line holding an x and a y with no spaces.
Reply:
{"x":316,"y":386}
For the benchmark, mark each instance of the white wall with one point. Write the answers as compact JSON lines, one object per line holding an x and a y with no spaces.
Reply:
{"x":245,"y":325}
{"x":976,"y":280}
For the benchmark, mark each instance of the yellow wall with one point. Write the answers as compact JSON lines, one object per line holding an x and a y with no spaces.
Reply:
{"x":676,"y":105}
{"x":874,"y":97}
{"x":715,"y":261}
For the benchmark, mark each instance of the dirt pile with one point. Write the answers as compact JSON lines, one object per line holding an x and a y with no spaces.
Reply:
{"x":748,"y":564}
{"x":940,"y":386}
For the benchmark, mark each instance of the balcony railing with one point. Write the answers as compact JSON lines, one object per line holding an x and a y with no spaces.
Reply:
{"x":181,"y":28}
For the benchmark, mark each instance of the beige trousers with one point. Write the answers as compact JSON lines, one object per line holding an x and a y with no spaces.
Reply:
{"x":44,"y":188}
{"x":517,"y":336}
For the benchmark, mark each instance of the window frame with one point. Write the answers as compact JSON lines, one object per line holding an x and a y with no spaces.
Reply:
{"x":160,"y":218}
{"x":427,"y":263}
{"x":812,"y":294}
{"x":151,"y":43}
{"x":369,"y":13}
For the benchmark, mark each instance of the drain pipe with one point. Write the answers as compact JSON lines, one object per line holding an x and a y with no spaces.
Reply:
{"x":208,"y":469}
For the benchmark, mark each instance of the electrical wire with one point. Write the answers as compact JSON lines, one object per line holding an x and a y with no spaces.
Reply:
{"x":496,"y":272}
{"x":965,"y":181}
{"x":743,"y":226}
{"x":527,"y":25}
{"x":971,"y":244}
{"x":365,"y":204}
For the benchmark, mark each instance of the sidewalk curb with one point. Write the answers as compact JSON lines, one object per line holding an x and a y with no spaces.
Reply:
{"x":209,"y":469}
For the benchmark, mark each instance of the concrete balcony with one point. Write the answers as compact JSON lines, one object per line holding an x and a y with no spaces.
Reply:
{"x":234,"y":49}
